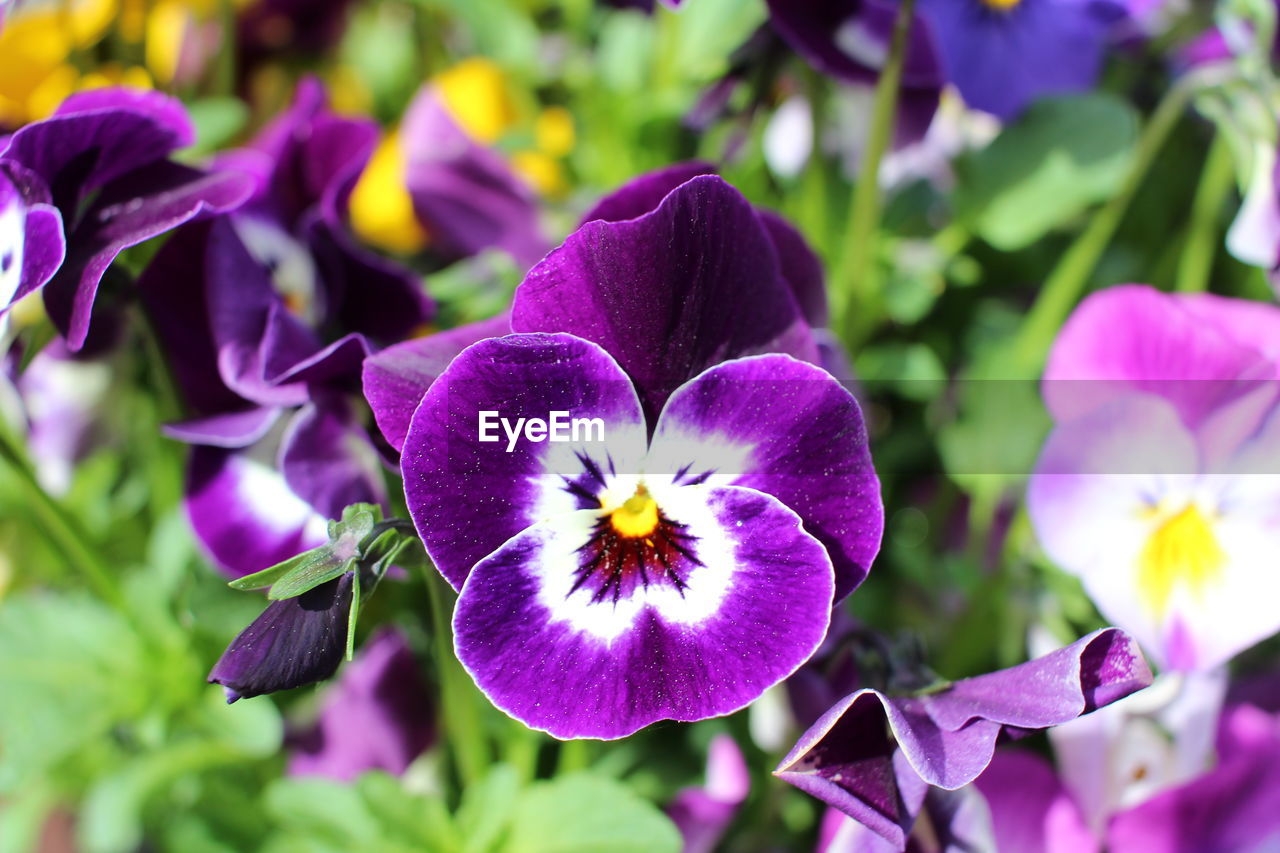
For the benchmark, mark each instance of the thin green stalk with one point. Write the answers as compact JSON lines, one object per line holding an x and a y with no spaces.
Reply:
{"x":1203,"y":235}
{"x":575,"y":755}
{"x":463,"y":722}
{"x":61,"y":529}
{"x":1063,"y":287}
{"x":858,"y":269}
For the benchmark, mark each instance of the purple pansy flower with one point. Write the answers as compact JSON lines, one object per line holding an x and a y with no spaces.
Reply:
{"x":1003,"y":54}
{"x":745,"y":283}
{"x":870,"y":753}
{"x":849,"y":40}
{"x":703,"y":814}
{"x":1159,"y":487}
{"x":622,"y":578}
{"x":102,"y":163}
{"x":376,"y":717}
{"x":946,"y":822}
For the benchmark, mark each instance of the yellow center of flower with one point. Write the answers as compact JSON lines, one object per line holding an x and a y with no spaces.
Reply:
{"x":637,"y":517}
{"x":1002,"y":5}
{"x":1182,"y":550}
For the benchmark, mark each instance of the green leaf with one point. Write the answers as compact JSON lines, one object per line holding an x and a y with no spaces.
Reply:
{"x":310,"y":575}
{"x":486,"y":809}
{"x":1061,"y":156}
{"x":266,"y":577}
{"x":585,"y":813}
{"x":217,"y":121}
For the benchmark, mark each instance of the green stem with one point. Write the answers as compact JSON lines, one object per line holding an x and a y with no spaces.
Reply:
{"x":60,"y":528}
{"x":1203,"y":237}
{"x":575,"y":755}
{"x":1063,"y":287}
{"x":858,"y":269}
{"x":463,"y":721}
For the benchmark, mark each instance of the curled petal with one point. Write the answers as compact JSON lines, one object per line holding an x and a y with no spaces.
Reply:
{"x":847,"y":758}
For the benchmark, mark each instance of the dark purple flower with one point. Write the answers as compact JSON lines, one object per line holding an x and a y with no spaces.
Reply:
{"x":849,"y":40}
{"x":703,"y":814}
{"x":1003,"y":54}
{"x":295,"y":641}
{"x":102,"y":163}
{"x":378,"y":716}
{"x":626,"y":576}
{"x":850,"y":759}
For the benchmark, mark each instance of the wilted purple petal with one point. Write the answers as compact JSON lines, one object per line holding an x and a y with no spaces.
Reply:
{"x":296,"y":641}
{"x":397,"y":378}
{"x":378,"y":716}
{"x":949,"y":736}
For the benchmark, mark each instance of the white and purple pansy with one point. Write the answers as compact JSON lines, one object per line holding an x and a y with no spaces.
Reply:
{"x":1159,"y":486}
{"x":102,"y":163}
{"x":874,"y":756}
{"x":31,"y":241}
{"x":622,"y":577}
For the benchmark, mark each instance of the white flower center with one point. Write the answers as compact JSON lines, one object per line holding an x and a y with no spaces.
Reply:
{"x":13,"y":221}
{"x":292,"y":269}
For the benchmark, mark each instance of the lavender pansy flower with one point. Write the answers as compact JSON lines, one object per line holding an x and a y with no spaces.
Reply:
{"x":376,"y":717}
{"x":703,"y":814}
{"x":671,"y":273}
{"x":1003,"y":54}
{"x":617,"y":580}
{"x":946,"y":822}
{"x":863,"y":755}
{"x":1159,"y":486}
{"x":102,"y":162}
{"x":1031,"y":810}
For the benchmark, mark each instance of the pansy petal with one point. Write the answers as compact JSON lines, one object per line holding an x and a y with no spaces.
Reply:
{"x":126,"y":213}
{"x":642,"y":194}
{"x":229,"y":429}
{"x":800,"y":267}
{"x":949,"y":736}
{"x":788,"y":429}
{"x":704,"y":814}
{"x":328,"y":462}
{"x":378,"y":716}
{"x":45,"y":248}
{"x":692,"y":283}
{"x":1166,"y":349}
{"x":452,"y":477}
{"x":243,"y":513}
{"x":117,"y":132}
{"x":1031,"y":811}
{"x":397,"y":378}
{"x":551,"y":647}
{"x":296,"y":641}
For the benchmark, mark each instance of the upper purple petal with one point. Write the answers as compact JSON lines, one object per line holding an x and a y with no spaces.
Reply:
{"x":328,"y":461}
{"x":692,"y":283}
{"x":642,"y":194}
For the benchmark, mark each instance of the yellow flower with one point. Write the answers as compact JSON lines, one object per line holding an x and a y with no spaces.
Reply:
{"x":542,"y":172}
{"x":381,"y":209}
{"x":553,"y":132}
{"x":35,"y":45}
{"x":476,"y":93}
